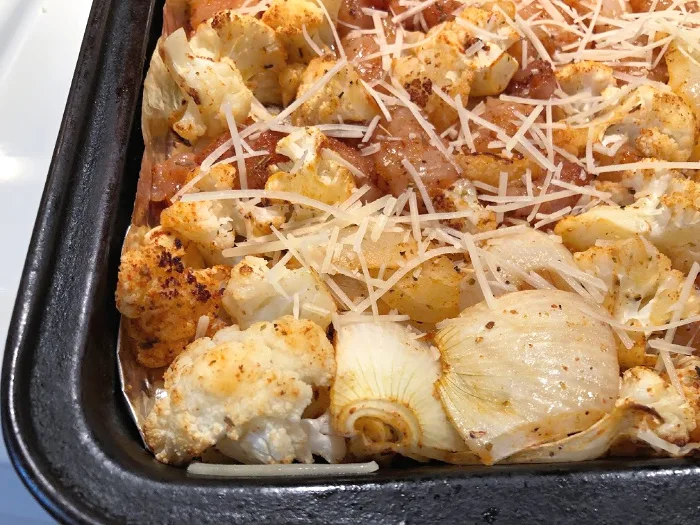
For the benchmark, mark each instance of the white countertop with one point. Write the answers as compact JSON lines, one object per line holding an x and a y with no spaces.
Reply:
{"x":39,"y":45}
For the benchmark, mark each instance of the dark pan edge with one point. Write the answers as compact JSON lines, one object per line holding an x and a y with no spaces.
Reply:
{"x":101,"y":42}
{"x":116,"y":487}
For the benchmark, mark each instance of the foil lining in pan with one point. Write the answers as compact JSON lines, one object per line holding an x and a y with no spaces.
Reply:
{"x":140,"y":386}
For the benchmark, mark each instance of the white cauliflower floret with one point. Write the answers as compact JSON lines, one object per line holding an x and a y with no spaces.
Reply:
{"x":219,"y":177}
{"x":252,"y":45}
{"x":206,"y":84}
{"x":667,"y":213}
{"x":462,"y":196}
{"x":247,"y":387}
{"x":213,"y":225}
{"x":442,"y":62}
{"x":255,"y":293}
{"x":657,"y":123}
{"x":207,"y":223}
{"x":263,"y":443}
{"x":290,"y":17}
{"x":676,"y":230}
{"x":342,"y":97}
{"x":674,"y":418}
{"x":642,"y":289}
{"x":310,"y":172}
{"x":586,"y":75}
{"x":648,"y":182}
{"x":683,"y":64}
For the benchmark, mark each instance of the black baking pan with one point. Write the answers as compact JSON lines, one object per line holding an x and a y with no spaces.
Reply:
{"x":68,"y":432}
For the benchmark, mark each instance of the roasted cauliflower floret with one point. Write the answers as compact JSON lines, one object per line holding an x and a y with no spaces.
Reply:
{"x":219,"y":177}
{"x":667,"y":213}
{"x":493,"y":66}
{"x":207,"y":223}
{"x":208,"y":86}
{"x":290,"y":80}
{"x":684,"y":78}
{"x":289,"y":18}
{"x":252,"y":45}
{"x":674,"y":418}
{"x":245,"y":390}
{"x":687,"y":369}
{"x":456,"y":58}
{"x":657,"y":123}
{"x":586,"y":75}
{"x":163,"y":291}
{"x":462,"y":196}
{"x":440,"y":63}
{"x":310,"y":172}
{"x":213,"y":225}
{"x":256,"y":293}
{"x":642,"y":289}
{"x":487,"y":167}
{"x":342,"y":97}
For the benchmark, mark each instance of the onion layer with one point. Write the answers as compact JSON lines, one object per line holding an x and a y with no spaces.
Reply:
{"x":384,"y":394}
{"x":533,"y":370}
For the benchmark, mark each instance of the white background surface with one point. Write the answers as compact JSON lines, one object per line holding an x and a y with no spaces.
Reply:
{"x":39,"y":45}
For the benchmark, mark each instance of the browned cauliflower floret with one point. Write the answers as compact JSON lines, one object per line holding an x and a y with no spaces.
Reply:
{"x":440,"y":63}
{"x":688,"y":370}
{"x":309,"y":172}
{"x":246,"y":392}
{"x":683,"y":65}
{"x":487,"y":167}
{"x":463,"y":57}
{"x":163,"y":291}
{"x":670,"y":417}
{"x":667,"y":212}
{"x":289,"y":18}
{"x":462,"y":196}
{"x":659,"y":124}
{"x":642,"y":289}
{"x":290,"y":80}
{"x":342,"y":97}
{"x":213,"y":225}
{"x":585,"y":76}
